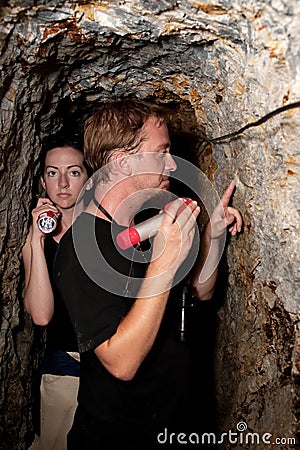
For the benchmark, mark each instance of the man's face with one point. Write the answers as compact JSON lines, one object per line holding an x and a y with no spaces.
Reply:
{"x":153,"y":162}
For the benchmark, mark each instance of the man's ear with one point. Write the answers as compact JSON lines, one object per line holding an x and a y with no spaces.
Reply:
{"x":90,"y":184}
{"x":121,"y":163}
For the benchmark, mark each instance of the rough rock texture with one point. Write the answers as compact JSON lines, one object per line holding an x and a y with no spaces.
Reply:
{"x":219,"y":64}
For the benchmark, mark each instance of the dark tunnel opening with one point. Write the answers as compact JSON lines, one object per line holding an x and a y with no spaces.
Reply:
{"x":187,"y":143}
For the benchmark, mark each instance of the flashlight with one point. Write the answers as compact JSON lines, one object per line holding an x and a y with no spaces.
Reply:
{"x":47,"y":222}
{"x":134,"y":235}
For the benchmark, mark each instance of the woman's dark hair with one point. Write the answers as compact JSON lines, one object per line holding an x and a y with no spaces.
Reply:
{"x":50,"y":142}
{"x":60,"y":139}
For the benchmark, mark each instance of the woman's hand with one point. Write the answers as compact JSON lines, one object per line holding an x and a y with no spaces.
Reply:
{"x":43,"y":205}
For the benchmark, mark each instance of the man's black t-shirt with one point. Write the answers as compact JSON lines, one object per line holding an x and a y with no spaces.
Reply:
{"x":92,"y":276}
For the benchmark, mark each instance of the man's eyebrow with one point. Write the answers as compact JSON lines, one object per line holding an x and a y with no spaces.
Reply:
{"x":165,"y":145}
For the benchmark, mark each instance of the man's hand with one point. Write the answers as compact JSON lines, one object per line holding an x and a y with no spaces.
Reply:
{"x":176,"y":234}
{"x":225,"y":216}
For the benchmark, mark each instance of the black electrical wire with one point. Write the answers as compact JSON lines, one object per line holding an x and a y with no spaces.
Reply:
{"x":257,"y":123}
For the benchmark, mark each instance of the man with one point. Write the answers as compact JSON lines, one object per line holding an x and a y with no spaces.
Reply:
{"x":134,"y":372}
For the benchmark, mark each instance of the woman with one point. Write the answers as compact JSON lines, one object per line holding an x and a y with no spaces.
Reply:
{"x":63,"y":174}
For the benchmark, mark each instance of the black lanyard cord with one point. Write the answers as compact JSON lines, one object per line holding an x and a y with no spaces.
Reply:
{"x":103,"y":210}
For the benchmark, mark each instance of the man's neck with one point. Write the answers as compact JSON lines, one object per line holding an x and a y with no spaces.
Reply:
{"x":114,"y":204}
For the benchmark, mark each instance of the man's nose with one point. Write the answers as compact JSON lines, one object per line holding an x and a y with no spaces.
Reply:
{"x":171,"y":164}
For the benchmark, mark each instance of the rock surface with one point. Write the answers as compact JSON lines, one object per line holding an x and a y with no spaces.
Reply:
{"x":220,"y":64}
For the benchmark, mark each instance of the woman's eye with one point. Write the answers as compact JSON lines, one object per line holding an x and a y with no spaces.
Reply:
{"x":51,"y":173}
{"x":75,"y":173}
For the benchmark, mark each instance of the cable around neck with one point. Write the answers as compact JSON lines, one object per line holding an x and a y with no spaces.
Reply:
{"x":103,"y":210}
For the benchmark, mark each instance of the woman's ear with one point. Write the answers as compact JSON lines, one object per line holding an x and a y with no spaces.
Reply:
{"x":43,"y":183}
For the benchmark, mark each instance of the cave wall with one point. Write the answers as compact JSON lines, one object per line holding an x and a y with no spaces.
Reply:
{"x":222,"y":64}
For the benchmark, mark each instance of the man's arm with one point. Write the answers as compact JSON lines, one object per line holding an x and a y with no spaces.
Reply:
{"x":124,"y":352}
{"x":212,"y":243}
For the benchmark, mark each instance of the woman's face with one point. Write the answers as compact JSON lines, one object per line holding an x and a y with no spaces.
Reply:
{"x":64,"y":176}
